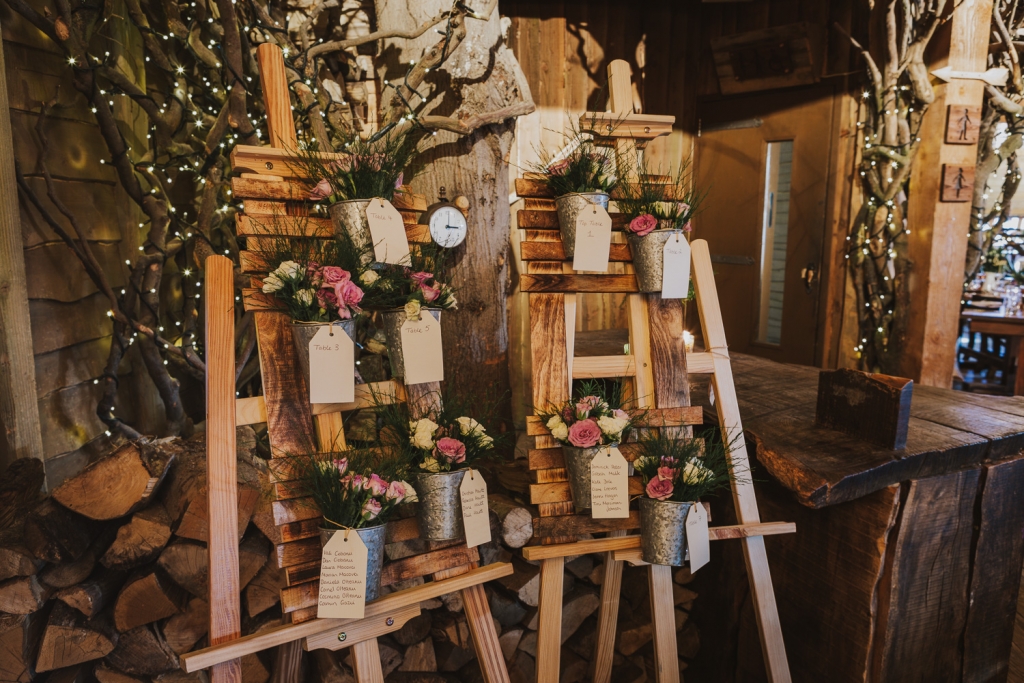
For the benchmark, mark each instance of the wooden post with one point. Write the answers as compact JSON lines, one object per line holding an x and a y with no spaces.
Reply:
{"x":278,"y":101}
{"x":937,"y":245}
{"x":19,"y":410}
{"x":549,"y":626}
{"x":221,"y":463}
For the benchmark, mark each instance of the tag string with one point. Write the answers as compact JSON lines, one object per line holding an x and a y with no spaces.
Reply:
{"x":346,"y":528}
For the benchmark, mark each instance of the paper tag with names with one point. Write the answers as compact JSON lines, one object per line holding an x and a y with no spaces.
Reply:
{"x":343,"y":577}
{"x":593,"y":239}
{"x":387,"y":230}
{"x":609,"y":485}
{"x":675,"y":270}
{"x":332,"y":357}
{"x":697,"y":540}
{"x":475,"y":516}
{"x":421,"y":350}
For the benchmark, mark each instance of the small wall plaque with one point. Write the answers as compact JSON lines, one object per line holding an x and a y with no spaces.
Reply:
{"x":957,"y":183}
{"x":963,"y":124}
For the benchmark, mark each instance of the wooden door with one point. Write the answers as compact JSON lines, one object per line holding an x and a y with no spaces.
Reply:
{"x":764,"y":162}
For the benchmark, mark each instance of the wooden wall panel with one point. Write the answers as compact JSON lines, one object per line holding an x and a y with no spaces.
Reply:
{"x":89,"y":201}
{"x":74,"y":364}
{"x":54,"y":272}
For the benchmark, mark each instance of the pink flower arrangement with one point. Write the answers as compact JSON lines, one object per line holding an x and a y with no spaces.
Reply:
{"x":349,"y":498}
{"x":371,"y":509}
{"x":558,"y":167}
{"x":643,"y":224}
{"x":585,"y":434}
{"x":321,"y":191}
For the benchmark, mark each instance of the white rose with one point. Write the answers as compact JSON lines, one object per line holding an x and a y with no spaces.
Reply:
{"x":410,"y":493}
{"x":560,"y":432}
{"x":695,"y":473}
{"x":271,"y":284}
{"x":554,"y":421}
{"x":468,"y":425}
{"x":305,"y":296}
{"x":611,"y":425}
{"x":289,"y":270}
{"x":368,"y":277}
{"x":430,"y":465}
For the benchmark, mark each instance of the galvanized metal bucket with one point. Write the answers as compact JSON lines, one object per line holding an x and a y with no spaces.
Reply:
{"x":569,"y":206}
{"x":391,"y":322}
{"x":349,"y":218}
{"x":663,"y":531}
{"x":649,"y":256}
{"x":440,"y":505}
{"x":373,"y":539}
{"x":302,"y":333}
{"x":577,"y":462}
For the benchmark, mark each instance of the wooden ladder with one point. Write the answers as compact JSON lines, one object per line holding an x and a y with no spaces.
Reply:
{"x":276,"y":207}
{"x":657,"y":366}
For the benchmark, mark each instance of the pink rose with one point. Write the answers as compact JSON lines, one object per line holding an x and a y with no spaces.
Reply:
{"x":326,"y":297}
{"x":344,"y":164}
{"x":356,"y":482}
{"x":377,"y":485}
{"x":399,"y":180}
{"x":321,"y":191}
{"x":421,"y":277}
{"x":371,"y":509}
{"x":349,"y":295}
{"x":396,"y":492}
{"x":452,"y":449}
{"x":558,"y":167}
{"x":683,"y":207}
{"x":585,"y":405}
{"x":585,"y":434}
{"x":430,"y":292}
{"x":688,"y":227}
{"x":333,"y":275}
{"x":643,"y":224}
{"x":667,"y":473}
{"x":620,"y":414}
{"x":342,"y":465}
{"x":659,"y":488}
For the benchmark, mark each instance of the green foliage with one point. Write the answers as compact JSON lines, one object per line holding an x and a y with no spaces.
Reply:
{"x":695,"y":467}
{"x":587,"y":167}
{"x":360,"y":169}
{"x":647,"y":196}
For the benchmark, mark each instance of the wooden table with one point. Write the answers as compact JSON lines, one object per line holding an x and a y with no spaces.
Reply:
{"x":905,"y":565}
{"x":1001,"y":323}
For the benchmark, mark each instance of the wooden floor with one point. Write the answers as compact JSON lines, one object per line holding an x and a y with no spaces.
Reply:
{"x":1017,"y":653}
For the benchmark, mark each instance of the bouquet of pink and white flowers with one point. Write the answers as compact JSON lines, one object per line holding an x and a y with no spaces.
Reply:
{"x":314,"y":293}
{"x":351,"y":497}
{"x":682,"y":470}
{"x":450,"y":445}
{"x":657,"y":202}
{"x":591,"y":419}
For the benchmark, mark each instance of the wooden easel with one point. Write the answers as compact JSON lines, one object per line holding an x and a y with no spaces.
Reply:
{"x":274,"y":196}
{"x":657,"y":365}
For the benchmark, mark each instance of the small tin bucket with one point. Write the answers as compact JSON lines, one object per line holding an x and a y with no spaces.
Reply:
{"x":569,"y":206}
{"x":349,"y":218}
{"x":391,"y":323}
{"x":440,"y":506}
{"x":649,"y":257}
{"x":577,"y":463}
{"x":663,"y":531}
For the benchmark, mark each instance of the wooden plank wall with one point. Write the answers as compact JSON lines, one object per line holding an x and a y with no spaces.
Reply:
{"x":70,"y":332}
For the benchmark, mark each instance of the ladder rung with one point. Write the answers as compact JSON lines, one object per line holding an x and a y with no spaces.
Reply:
{"x":587,"y":367}
{"x":249,"y":411}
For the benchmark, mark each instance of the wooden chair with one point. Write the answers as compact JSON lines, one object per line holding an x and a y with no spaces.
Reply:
{"x":274,"y":203}
{"x":657,"y":367}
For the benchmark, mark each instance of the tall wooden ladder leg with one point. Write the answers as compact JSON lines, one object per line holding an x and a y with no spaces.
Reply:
{"x":663,"y":623}
{"x":549,"y":616}
{"x":485,"y":638}
{"x":608,"y":616}
{"x":727,"y":406}
{"x":366,"y":662}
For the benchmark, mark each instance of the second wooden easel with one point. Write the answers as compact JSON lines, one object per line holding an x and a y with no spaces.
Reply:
{"x":657,"y":366}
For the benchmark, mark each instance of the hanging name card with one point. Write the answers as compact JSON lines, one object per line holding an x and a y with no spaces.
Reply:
{"x":421,"y":350}
{"x":593,"y":239}
{"x":387,"y":230}
{"x":609,"y":485}
{"x":697,"y":540}
{"x":475,"y":517}
{"x":343,"y":577}
{"x":331,"y":366}
{"x":675,"y":270}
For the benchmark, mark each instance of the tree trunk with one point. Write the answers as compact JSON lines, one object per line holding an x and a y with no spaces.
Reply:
{"x":480,"y":76}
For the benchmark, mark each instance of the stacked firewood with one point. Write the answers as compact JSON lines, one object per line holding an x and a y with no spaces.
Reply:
{"x":106,"y":579}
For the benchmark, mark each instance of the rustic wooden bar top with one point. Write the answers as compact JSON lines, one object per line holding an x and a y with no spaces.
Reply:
{"x":949,"y":431}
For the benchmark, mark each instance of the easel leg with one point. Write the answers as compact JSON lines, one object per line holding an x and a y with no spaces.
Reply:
{"x":366,"y":662}
{"x":485,"y":638}
{"x":663,"y":619}
{"x":765,"y":610}
{"x":288,"y":664}
{"x":549,"y":628}
{"x":608,"y":617}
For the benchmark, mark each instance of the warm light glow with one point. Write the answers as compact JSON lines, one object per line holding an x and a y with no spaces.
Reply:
{"x":688,"y":341}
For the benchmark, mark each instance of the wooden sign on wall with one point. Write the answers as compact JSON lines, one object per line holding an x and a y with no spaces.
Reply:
{"x":957,"y":183}
{"x":777,"y":57}
{"x":963,"y":124}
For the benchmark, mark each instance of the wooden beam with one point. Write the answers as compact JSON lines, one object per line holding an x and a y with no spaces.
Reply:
{"x":936,"y":245}
{"x":20,"y":435}
{"x":221,"y":469}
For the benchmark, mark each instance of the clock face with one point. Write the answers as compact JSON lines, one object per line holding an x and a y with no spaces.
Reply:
{"x":448,"y":226}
